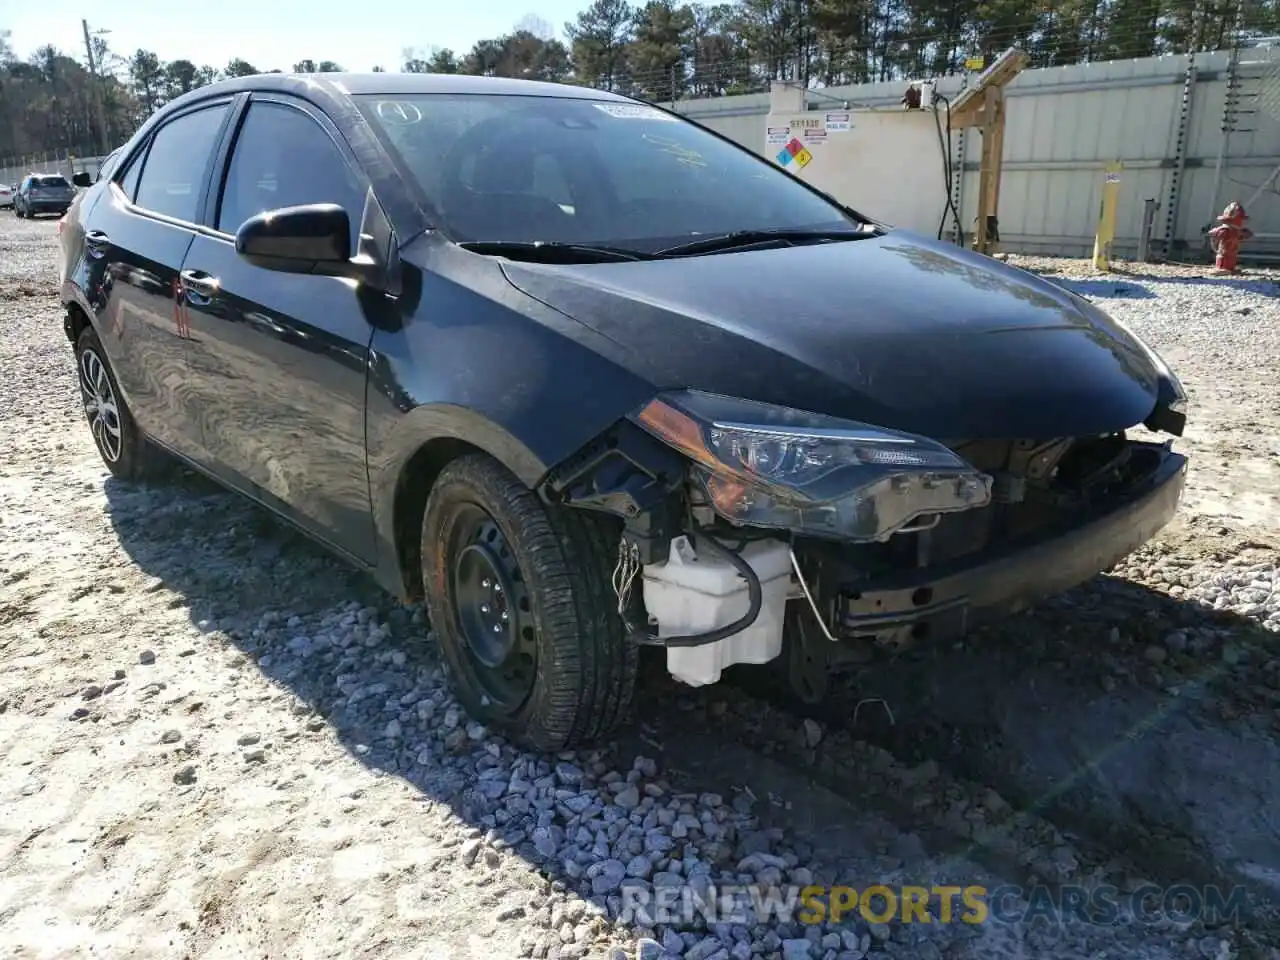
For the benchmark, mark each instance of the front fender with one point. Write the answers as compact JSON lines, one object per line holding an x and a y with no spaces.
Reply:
{"x":485,"y":365}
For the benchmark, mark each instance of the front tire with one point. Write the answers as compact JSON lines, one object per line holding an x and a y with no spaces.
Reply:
{"x":520,"y":598}
{"x":127,"y":453}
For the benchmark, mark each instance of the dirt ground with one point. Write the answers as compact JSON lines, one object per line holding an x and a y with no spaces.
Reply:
{"x":217,"y":741}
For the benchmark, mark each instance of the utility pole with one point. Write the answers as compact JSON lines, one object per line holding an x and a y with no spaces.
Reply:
{"x":98,"y":98}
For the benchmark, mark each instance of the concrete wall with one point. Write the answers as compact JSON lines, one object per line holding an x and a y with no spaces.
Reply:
{"x":1065,"y":124}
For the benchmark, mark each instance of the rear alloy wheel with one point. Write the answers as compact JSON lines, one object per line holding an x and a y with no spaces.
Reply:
{"x":520,"y":599}
{"x":126,"y":452}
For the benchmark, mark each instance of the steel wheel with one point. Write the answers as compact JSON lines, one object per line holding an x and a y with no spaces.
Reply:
{"x":494,"y":616}
{"x":100,"y":406}
{"x":519,"y":594}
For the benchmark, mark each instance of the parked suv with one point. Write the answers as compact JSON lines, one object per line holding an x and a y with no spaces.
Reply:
{"x":43,"y":193}
{"x":585,"y":376}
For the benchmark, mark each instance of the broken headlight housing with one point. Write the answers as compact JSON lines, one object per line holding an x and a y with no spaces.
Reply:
{"x":768,"y":466}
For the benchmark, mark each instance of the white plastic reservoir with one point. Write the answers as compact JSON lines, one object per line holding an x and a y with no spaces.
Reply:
{"x":694,"y":591}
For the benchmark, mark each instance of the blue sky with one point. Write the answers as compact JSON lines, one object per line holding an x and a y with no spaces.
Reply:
{"x":277,"y":33}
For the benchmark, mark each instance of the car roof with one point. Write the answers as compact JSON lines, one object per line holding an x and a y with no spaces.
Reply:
{"x":397,"y":85}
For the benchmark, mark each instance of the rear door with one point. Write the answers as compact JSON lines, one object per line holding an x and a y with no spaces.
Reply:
{"x":135,"y":239}
{"x":278,"y":361}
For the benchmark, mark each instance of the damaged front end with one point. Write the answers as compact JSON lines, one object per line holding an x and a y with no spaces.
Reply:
{"x":744,"y":520}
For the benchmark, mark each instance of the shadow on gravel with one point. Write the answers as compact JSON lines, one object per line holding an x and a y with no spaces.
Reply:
{"x":1261,"y":286}
{"x":1105,"y":289}
{"x":1066,"y":711}
{"x":1138,"y":721}
{"x":242,"y":572}
{"x":1123,"y":285}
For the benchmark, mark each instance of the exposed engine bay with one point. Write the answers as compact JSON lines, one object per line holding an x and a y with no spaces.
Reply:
{"x":720,"y":564}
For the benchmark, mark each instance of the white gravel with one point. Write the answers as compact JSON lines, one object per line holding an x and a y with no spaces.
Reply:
{"x":219,"y":741}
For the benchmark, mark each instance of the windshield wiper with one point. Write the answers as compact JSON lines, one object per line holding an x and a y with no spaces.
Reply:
{"x":552,"y":251}
{"x":748,"y":238}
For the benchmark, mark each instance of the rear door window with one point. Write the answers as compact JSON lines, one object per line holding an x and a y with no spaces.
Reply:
{"x":176,"y":166}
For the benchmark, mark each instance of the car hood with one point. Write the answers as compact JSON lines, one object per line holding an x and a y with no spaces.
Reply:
{"x":898,"y":330}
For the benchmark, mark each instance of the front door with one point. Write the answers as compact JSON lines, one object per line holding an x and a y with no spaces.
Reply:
{"x":278,"y":361}
{"x":136,"y":238}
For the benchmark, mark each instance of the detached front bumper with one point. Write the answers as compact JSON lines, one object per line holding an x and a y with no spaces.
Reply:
{"x":943,"y":601}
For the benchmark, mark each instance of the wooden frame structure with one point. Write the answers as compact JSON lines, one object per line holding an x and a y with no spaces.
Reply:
{"x":983,"y":106}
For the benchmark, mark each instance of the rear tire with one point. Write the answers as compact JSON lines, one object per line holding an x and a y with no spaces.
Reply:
{"x":127,"y":453}
{"x":520,"y":598}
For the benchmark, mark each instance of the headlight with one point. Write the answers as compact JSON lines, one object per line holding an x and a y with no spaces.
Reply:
{"x":771,"y":466}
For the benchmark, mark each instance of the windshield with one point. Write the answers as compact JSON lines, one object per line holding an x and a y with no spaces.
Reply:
{"x":516,"y":168}
{"x":51,"y":181}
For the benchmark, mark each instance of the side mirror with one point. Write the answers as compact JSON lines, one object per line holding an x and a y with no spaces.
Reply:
{"x":82,"y":179}
{"x":313,"y":238}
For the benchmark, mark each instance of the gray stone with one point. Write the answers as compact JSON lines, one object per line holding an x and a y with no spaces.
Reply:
{"x":628,"y":799}
{"x":608,"y":876}
{"x":812,"y":732}
{"x":469,"y":851}
{"x":639,"y":866}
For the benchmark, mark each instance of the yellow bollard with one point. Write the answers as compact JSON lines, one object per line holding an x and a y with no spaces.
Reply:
{"x":1107,"y":218}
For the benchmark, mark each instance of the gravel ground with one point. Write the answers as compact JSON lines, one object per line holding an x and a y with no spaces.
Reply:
{"x":218,"y":741}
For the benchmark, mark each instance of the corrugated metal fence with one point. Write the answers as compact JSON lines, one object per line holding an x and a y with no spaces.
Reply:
{"x":1192,"y":133}
{"x":15,"y":169}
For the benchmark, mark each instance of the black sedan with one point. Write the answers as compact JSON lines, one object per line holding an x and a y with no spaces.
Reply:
{"x":586,"y":376}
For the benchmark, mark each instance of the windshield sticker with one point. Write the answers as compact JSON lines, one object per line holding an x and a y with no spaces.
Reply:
{"x":397,"y":112}
{"x":629,"y":111}
{"x":680,"y":152}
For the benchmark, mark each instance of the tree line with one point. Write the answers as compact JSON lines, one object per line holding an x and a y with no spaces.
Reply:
{"x":662,"y":50}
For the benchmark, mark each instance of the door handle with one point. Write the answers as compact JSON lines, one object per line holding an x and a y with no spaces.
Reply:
{"x":199,"y":287}
{"x":97,"y":242}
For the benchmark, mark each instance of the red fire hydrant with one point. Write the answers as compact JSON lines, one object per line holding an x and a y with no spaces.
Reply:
{"x":1227,"y":236}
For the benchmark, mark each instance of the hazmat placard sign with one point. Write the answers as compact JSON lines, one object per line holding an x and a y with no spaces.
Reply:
{"x":794,"y":153}
{"x":793,"y":141}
